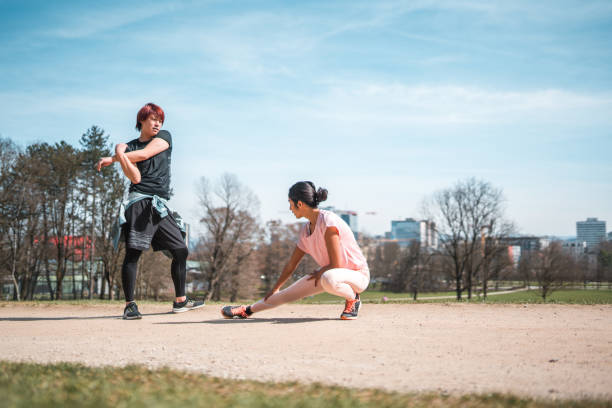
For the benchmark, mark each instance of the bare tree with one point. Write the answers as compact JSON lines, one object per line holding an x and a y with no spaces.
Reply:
{"x":525,"y":268}
{"x":413,"y":270}
{"x":460,"y":214}
{"x":229,"y":216}
{"x":494,"y":257}
{"x":12,"y":207}
{"x":111,"y":194}
{"x":604,"y":264}
{"x":274,"y":252}
{"x":385,"y":263}
{"x":153,"y":279}
{"x":41,"y":207}
{"x":586,"y":270}
{"x":552,"y":268}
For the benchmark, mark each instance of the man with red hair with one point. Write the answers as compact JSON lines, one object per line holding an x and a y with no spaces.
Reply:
{"x":145,"y":217}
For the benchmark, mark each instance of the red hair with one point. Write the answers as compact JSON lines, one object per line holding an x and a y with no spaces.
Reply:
{"x":148,"y":110}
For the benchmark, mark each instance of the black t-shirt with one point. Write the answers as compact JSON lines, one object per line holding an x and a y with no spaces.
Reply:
{"x":155,"y":171}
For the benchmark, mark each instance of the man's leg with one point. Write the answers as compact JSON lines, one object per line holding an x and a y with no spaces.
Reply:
{"x":168,"y":237}
{"x":128,"y":273}
{"x":128,"y":280}
{"x":179,"y":271}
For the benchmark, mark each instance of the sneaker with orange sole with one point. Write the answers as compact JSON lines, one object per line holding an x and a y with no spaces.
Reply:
{"x":351,"y":309}
{"x":234,"y":312}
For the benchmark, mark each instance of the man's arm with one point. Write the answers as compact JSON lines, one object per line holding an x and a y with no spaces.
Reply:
{"x":129,"y":168}
{"x":156,"y":146}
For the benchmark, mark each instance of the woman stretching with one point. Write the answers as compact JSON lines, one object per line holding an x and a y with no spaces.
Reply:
{"x":329,"y":240}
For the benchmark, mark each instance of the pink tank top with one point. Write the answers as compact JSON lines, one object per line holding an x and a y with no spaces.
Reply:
{"x":314,"y":244}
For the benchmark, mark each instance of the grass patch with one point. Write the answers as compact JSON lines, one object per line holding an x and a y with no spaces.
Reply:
{"x":93,"y":302}
{"x":573,"y":296}
{"x":75,"y":385}
{"x":372,"y":296}
{"x":566,"y":296}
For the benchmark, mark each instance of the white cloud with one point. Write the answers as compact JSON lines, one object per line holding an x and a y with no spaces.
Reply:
{"x":397,"y":104}
{"x":84,"y":23}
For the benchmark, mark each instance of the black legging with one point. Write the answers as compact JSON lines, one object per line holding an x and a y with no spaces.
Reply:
{"x":130,"y":266}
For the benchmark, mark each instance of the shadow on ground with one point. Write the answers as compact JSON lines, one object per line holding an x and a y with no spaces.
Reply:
{"x":34,"y":319}
{"x":281,"y":320}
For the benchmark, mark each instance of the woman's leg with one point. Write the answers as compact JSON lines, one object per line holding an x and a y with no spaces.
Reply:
{"x":297,"y":291}
{"x":345,"y":283}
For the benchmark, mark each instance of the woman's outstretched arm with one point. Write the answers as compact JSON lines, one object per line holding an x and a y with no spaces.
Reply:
{"x":288,"y":270}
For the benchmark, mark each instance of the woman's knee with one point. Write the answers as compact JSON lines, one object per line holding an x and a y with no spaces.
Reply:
{"x":328,"y":281}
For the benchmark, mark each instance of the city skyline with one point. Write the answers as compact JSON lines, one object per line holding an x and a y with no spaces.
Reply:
{"x":383,"y":104}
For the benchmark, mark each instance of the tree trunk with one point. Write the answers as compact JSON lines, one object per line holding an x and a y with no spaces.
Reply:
{"x":83,"y":251}
{"x":469,"y":283}
{"x":93,"y":237}
{"x":13,"y":269}
{"x":49,"y":285}
{"x":458,"y":278}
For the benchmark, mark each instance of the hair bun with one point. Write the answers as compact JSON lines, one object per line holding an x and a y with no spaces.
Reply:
{"x":321,"y":195}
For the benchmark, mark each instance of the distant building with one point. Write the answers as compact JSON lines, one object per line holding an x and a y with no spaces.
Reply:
{"x":610,"y":236}
{"x":350,"y":217}
{"x":408,"y":230}
{"x":528,"y":243}
{"x":575,"y":248}
{"x":592,"y":231}
{"x":514,"y":253}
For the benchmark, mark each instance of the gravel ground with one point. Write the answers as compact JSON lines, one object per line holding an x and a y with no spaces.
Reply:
{"x":534,"y":350}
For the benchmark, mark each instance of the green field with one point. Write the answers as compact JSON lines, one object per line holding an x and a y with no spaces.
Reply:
{"x":573,"y":296}
{"x":74,"y":385}
{"x":565,"y":296}
{"x":581,"y":297}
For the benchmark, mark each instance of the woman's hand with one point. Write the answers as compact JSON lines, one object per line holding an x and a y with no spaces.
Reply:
{"x":270,"y":293}
{"x":316,"y":275}
{"x":103,"y":162}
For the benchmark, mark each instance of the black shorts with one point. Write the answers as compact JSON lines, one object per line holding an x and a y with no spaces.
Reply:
{"x":144,"y":227}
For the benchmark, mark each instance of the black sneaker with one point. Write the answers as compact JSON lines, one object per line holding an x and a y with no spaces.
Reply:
{"x":351,"y":309}
{"x":131,"y":312}
{"x":186,"y":305}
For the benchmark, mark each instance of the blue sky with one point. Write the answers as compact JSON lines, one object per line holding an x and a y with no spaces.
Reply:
{"x":381,"y":102}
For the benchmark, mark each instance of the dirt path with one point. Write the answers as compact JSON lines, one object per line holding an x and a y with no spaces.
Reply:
{"x":538,"y":350}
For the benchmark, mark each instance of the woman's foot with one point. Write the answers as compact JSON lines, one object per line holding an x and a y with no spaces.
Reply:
{"x":234,"y":312}
{"x":351,"y":309}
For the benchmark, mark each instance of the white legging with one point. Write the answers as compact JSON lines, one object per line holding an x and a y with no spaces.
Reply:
{"x":340,"y":282}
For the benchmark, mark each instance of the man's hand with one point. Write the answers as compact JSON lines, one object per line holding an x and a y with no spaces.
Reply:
{"x":104,"y":162}
{"x":316,"y":275}
{"x":120,"y":148}
{"x":270,"y":293}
